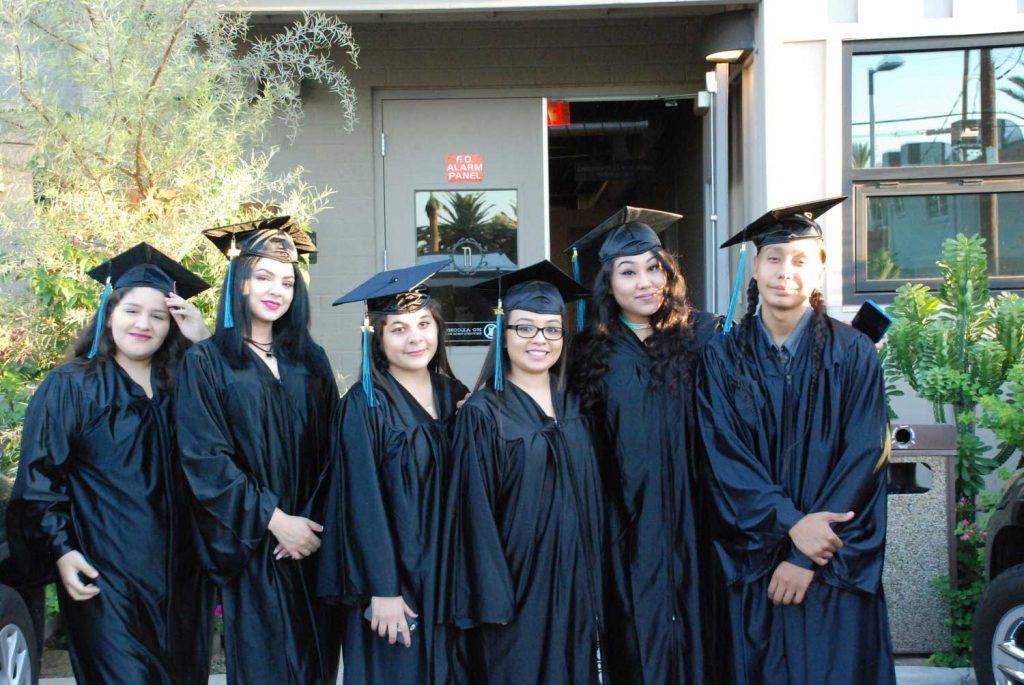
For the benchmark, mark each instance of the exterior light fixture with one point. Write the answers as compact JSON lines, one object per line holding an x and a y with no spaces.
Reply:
{"x":730,"y":56}
{"x":728,"y":36}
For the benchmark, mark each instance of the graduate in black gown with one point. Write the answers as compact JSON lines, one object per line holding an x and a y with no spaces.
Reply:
{"x":254,"y":404}
{"x":792,"y":411}
{"x":99,"y":498}
{"x":526,"y":507}
{"x":633,"y":365}
{"x":382,"y":506}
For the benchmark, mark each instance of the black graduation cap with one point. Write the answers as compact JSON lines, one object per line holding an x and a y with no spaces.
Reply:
{"x":398,"y":291}
{"x":779,"y":225}
{"x":542,"y":288}
{"x":145,"y":266}
{"x":629,"y":231}
{"x":279,"y":238}
{"x":785,"y":224}
{"x":142,"y":266}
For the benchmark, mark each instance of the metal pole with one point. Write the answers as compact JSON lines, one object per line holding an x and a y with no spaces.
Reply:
{"x":871,"y":117}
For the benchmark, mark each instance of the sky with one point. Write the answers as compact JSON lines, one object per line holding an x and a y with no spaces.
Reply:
{"x":926,"y":92}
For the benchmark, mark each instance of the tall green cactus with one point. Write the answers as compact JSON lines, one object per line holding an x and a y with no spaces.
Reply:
{"x":957,"y":347}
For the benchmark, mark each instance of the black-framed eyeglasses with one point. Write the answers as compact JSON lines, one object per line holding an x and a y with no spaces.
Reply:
{"x":527,"y":330}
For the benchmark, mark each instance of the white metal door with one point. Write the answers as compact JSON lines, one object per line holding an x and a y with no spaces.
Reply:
{"x":465,"y":179}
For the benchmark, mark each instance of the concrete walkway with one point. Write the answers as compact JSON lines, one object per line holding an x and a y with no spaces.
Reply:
{"x":905,"y":675}
{"x":930,"y":675}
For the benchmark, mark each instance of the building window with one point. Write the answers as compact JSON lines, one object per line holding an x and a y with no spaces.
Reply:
{"x":478,"y":232}
{"x":934,"y":143}
{"x":903,"y":233}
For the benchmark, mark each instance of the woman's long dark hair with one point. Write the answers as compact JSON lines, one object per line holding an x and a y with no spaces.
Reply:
{"x":670,"y":345}
{"x":379,"y":361}
{"x":165,"y":359}
{"x":486,"y":377}
{"x":291,"y":332}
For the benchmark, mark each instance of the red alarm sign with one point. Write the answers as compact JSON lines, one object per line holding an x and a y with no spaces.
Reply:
{"x":464,"y":168}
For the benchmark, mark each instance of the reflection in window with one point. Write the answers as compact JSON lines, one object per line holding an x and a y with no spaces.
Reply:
{"x":906,"y":244}
{"x":937,"y":107}
{"x":478,"y":232}
{"x":938,"y":206}
{"x":447,"y":221}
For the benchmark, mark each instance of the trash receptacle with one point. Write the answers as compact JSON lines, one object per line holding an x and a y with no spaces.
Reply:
{"x":919,"y":545}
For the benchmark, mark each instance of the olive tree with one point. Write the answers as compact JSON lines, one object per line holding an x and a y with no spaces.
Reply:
{"x":147,"y":120}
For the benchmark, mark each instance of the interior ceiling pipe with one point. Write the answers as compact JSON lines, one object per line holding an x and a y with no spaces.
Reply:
{"x":728,"y":37}
{"x":599,"y":128}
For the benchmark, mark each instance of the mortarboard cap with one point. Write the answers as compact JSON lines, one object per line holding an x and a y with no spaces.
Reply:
{"x":785,"y":224}
{"x":145,"y":266}
{"x":629,"y":231}
{"x":398,"y":291}
{"x":142,"y":266}
{"x":542,"y":288}
{"x":280,"y":238}
{"x":780,"y":225}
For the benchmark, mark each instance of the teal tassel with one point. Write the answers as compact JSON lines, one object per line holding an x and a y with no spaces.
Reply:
{"x":499,"y":376}
{"x":367,"y":371}
{"x":229,"y":319}
{"x":581,"y":304}
{"x":740,"y":269}
{"x":100,"y":316}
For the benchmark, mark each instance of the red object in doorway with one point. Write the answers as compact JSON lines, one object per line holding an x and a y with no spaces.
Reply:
{"x":558,"y":113}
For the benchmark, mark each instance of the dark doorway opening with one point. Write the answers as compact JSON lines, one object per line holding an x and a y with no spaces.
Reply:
{"x":645,"y":153}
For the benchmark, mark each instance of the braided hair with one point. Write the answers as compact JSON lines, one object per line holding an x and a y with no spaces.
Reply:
{"x":819,"y":331}
{"x":819,"y":336}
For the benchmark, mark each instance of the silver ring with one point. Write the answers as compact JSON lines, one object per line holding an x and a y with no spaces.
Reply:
{"x":398,"y":627}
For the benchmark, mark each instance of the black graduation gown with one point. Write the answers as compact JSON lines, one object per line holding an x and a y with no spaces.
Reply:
{"x":249,"y":443}
{"x":98,"y":475}
{"x":661,"y":593}
{"x":525,"y":519}
{"x":382,"y":527}
{"x":768,"y":468}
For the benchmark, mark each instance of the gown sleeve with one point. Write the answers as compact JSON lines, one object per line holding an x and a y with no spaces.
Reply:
{"x":327,"y":402}
{"x":751,"y":506}
{"x":857,"y":481}
{"x":357,"y":557}
{"x":39,"y":524}
{"x":232,"y":510}
{"x":477,"y":584}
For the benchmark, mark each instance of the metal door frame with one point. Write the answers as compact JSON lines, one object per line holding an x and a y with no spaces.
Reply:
{"x":714,"y":143}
